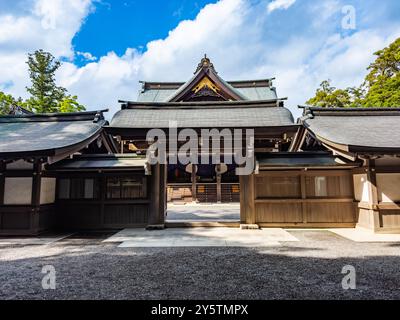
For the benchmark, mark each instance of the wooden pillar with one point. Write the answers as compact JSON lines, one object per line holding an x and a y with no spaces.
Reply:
{"x":243,"y":192}
{"x":373,"y":193}
{"x":303,"y":196}
{"x":2,"y":181}
{"x":163,"y":194}
{"x":35,"y":200}
{"x":219,"y":196}
{"x":122,"y":146}
{"x":157,"y":195}
{"x":103,"y":196}
{"x":194,"y":183}
{"x":252,"y":199}
{"x":247,"y":199}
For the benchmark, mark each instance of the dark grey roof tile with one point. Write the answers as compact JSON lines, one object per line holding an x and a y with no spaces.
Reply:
{"x":203,"y":117}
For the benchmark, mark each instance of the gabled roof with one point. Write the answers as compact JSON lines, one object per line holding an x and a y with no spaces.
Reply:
{"x":18,"y":110}
{"x":205,"y":73}
{"x":355,"y":130}
{"x":231,"y":90}
{"x":226,"y":114}
{"x":48,"y":134}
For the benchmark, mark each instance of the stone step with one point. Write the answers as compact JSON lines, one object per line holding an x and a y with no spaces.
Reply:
{"x":197,"y":224}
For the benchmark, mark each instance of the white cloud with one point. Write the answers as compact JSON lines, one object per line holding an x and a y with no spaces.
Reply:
{"x":280,"y":4}
{"x":173,"y":58}
{"x":49,"y":25}
{"x":86,"y":55}
{"x":231,"y":32}
{"x":100,"y":84}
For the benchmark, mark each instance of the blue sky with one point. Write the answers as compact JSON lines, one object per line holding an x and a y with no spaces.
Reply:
{"x":107,"y":46}
{"x":119,"y":24}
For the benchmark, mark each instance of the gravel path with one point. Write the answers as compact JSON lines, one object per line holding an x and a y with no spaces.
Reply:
{"x":86,"y":268}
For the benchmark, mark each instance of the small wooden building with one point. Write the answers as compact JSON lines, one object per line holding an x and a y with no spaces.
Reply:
{"x":370,"y":137}
{"x":27,"y":144}
{"x":331,"y":168}
{"x":304,"y":189}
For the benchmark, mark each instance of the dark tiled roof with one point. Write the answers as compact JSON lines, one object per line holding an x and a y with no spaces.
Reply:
{"x":206,"y":115}
{"x":44,"y":134}
{"x":302,"y":160}
{"x":250,"y":89}
{"x":101,"y":162}
{"x":357,"y":129}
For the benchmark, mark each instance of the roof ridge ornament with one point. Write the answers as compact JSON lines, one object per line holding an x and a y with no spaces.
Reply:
{"x":205,"y":63}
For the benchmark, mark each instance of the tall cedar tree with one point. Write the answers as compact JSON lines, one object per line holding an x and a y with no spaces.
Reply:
{"x":46,"y":96}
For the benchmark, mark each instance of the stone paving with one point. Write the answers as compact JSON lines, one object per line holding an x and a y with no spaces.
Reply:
{"x":201,"y":237}
{"x":363,"y":235}
{"x":203,"y":212}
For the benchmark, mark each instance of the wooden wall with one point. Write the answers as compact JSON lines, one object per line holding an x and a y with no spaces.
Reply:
{"x":108,"y":211}
{"x":377,"y":188}
{"x":21,"y":209}
{"x":137,"y":206}
{"x":299,"y":198}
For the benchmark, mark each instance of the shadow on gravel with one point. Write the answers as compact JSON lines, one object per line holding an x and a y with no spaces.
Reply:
{"x":394,"y":245}
{"x":107,"y":272}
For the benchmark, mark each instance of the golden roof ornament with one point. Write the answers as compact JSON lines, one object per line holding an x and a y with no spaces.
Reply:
{"x":205,"y":63}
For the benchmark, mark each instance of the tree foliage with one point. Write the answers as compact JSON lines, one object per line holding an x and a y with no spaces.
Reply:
{"x":8,"y":103}
{"x":383,"y":80}
{"x":381,"y":87}
{"x":70,"y":104}
{"x":45,"y":95}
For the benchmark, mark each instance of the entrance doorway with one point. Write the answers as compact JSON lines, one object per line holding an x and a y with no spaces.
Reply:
{"x":201,"y":193}
{"x":202,"y":184}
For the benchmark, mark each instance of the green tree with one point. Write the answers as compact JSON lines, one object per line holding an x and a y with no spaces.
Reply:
{"x":383,"y":80}
{"x":8,"y":103}
{"x":381,"y":87}
{"x":70,"y":104}
{"x":328,"y":96}
{"x":46,"y":96}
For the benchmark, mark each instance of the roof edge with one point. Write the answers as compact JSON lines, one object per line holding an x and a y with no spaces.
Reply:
{"x":96,"y":116}
{"x":202,"y":105}
{"x":158,"y":85}
{"x":376,"y":111}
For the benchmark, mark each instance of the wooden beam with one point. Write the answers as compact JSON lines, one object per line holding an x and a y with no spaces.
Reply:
{"x":291,"y":200}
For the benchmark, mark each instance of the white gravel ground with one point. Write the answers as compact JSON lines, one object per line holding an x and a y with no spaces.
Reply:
{"x":88,"y":268}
